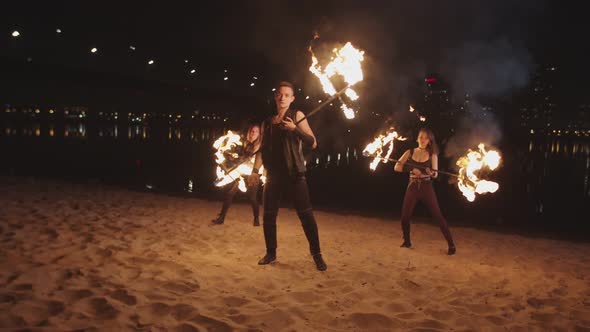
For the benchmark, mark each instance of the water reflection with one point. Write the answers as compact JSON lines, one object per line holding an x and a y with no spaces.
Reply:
{"x":73,"y":130}
{"x":76,"y":130}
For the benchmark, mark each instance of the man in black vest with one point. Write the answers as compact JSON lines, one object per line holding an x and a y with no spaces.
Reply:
{"x":281,"y":153}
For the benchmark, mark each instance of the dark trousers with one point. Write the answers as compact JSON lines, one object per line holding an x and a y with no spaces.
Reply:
{"x":251,"y":193}
{"x":422,"y":190}
{"x":275,"y":186}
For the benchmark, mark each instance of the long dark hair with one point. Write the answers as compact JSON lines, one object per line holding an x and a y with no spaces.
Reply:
{"x":432,"y":146}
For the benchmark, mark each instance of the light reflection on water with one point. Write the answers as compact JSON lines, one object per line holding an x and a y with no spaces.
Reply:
{"x":545,"y":158}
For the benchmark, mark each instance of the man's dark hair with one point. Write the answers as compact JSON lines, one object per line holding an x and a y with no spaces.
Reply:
{"x":287,"y":84}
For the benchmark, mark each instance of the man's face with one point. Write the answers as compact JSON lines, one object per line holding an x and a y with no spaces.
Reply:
{"x":284,"y":97}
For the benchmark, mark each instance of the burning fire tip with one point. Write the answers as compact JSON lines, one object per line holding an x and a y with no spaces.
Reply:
{"x":470,"y":166}
{"x":346,"y":63}
{"x":378,"y":146}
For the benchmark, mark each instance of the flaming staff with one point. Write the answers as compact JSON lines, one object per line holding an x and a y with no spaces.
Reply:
{"x":227,"y":149}
{"x":346,"y":63}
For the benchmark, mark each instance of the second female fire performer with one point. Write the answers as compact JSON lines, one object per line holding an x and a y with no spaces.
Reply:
{"x":250,"y":147}
{"x":424,"y":160}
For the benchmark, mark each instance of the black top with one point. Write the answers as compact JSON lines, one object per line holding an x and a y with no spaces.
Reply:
{"x":426,"y":164}
{"x":282,"y":151}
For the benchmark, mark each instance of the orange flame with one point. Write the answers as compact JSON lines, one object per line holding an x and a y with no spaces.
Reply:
{"x":227,"y":146}
{"x":377,"y":147}
{"x":346,"y":62}
{"x":473,"y":162}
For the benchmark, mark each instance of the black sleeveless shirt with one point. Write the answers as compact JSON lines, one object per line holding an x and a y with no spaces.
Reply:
{"x":282,"y":151}
{"x":425,"y":164}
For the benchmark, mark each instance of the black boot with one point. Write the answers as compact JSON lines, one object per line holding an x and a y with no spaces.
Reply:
{"x":319,"y":262}
{"x":270,"y":257}
{"x":219,"y":220}
{"x":406,"y":229}
{"x":452,"y":249}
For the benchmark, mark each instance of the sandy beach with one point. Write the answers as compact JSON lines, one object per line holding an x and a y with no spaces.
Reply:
{"x":101,"y":258}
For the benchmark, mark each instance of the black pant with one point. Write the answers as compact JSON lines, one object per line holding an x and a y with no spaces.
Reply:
{"x":251,"y":193}
{"x":274,"y":187}
{"x":422,"y":190}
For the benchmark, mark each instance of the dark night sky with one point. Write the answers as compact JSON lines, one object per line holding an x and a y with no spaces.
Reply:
{"x":403,"y":40}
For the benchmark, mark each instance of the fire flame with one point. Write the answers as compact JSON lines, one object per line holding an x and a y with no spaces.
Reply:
{"x":422,"y":118}
{"x":377,"y":147}
{"x":227,"y":146}
{"x":346,"y":62}
{"x":348,"y":112}
{"x":411,"y":109}
{"x":473,"y":162}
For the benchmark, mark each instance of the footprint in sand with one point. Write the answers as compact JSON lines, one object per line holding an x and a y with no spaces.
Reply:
{"x":100,"y":308}
{"x":160,"y":309}
{"x":183,"y":311}
{"x":122,"y":296}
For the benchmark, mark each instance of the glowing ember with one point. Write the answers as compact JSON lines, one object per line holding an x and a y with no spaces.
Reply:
{"x":346,"y":63}
{"x":473,"y":163}
{"x":228,"y":147}
{"x":411,"y":109}
{"x":348,"y":112}
{"x":94,"y":50}
{"x":422,"y":118}
{"x":377,"y":147}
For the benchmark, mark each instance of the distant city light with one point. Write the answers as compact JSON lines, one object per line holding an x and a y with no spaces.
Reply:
{"x":93,"y":50}
{"x":151,"y":62}
{"x":15,"y":33}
